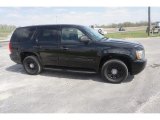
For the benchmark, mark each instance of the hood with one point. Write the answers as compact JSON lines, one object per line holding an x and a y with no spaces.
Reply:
{"x":121,"y":43}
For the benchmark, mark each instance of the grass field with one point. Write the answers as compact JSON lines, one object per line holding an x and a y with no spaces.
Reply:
{"x":113,"y":30}
{"x":131,"y":34}
{"x":4,"y":34}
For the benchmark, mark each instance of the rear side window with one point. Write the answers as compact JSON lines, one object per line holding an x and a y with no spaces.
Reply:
{"x":48,"y":35}
{"x":22,"y":34}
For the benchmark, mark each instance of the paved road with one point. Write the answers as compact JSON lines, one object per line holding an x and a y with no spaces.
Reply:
{"x":58,"y":91}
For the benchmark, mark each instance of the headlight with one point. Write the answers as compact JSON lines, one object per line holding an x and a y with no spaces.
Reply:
{"x":140,"y":54}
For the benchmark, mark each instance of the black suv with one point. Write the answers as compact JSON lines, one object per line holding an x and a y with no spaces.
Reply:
{"x":75,"y":47}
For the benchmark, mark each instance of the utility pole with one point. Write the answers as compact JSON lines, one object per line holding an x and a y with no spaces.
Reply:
{"x":149,"y":21}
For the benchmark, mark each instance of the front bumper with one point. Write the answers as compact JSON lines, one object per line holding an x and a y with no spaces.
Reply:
{"x":137,"y":66}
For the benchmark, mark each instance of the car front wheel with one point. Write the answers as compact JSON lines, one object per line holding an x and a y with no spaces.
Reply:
{"x":114,"y":71}
{"x":31,"y":65}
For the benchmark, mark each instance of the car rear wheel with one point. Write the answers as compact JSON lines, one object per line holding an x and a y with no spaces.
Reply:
{"x":31,"y":65}
{"x":114,"y":71}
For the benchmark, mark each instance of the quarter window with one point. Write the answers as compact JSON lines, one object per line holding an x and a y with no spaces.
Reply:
{"x":23,"y":34}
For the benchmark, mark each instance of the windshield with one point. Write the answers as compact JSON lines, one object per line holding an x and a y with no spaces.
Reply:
{"x":94,"y":33}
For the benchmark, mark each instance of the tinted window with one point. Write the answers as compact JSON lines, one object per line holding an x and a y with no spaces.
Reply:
{"x":22,"y":34}
{"x":95,"y":34}
{"x":48,"y":35}
{"x":71,"y":35}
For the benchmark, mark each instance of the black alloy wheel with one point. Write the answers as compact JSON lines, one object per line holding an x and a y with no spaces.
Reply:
{"x":31,"y":65}
{"x":114,"y":71}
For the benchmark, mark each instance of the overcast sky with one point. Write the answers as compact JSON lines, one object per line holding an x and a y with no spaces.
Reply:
{"x":75,"y":15}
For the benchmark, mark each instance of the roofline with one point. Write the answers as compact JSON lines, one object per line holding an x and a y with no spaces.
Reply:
{"x":47,"y":25}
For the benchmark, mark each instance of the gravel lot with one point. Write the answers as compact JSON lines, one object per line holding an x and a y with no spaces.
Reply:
{"x":60,"y":91}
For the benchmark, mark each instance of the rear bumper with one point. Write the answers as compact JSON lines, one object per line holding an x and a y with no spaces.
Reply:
{"x":137,"y":66}
{"x":15,"y":58}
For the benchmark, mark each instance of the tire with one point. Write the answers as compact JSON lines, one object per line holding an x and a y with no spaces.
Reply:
{"x":114,"y":71}
{"x":31,"y":65}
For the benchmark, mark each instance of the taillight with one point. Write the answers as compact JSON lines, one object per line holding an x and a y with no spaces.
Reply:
{"x":10,"y":47}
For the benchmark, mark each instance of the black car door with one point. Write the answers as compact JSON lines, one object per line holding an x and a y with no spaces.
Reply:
{"x":75,"y":53}
{"x":48,"y":40}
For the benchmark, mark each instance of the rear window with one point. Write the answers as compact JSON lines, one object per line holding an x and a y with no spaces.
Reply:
{"x":22,"y":34}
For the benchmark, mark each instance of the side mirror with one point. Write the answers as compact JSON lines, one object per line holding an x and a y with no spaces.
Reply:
{"x":84,"y":39}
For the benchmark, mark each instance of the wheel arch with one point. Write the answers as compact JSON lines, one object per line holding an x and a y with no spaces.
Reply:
{"x":25,"y":54}
{"x":124,"y":58}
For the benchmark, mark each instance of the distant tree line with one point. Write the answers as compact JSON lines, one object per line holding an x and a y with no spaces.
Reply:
{"x":6,"y":28}
{"x":124,"y":24}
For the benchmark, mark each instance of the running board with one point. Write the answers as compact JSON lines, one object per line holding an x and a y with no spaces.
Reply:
{"x":71,"y":70}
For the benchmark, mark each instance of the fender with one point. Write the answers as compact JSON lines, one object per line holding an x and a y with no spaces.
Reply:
{"x":30,"y":53}
{"x":118,"y":52}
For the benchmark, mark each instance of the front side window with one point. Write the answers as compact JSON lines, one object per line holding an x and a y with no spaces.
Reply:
{"x":71,"y":35}
{"x":94,"y":33}
{"x":48,"y":35}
